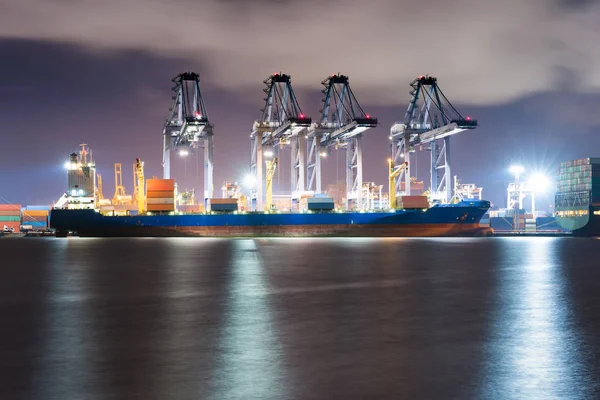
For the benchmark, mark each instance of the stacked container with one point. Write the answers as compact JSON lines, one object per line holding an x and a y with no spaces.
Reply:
{"x":408,"y":202}
{"x":10,"y":216}
{"x":223,"y":205}
{"x":578,"y":180}
{"x":36,"y":217}
{"x":160,"y":195}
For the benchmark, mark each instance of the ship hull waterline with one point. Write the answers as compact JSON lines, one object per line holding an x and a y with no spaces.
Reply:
{"x":451,"y":221}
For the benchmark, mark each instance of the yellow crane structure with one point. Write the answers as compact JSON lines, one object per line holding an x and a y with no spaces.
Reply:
{"x":99,"y":181}
{"x":138,"y":186}
{"x":120,"y":196}
{"x":271,"y":166}
{"x":394,"y":172}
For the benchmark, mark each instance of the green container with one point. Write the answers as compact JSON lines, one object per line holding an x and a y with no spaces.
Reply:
{"x":8,"y":218}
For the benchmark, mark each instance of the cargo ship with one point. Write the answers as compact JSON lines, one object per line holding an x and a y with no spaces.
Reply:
{"x":577,"y":201}
{"x":460,"y":219}
{"x":78,"y":213}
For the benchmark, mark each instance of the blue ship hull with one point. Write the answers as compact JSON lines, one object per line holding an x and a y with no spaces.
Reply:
{"x":460,"y":219}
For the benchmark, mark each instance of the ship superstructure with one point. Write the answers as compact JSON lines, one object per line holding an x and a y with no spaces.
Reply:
{"x":81,"y":190}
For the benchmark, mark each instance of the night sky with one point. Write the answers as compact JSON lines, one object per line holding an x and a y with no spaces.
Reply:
{"x":100,"y":73}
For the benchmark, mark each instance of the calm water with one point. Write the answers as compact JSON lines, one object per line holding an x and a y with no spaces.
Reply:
{"x":491,"y":318}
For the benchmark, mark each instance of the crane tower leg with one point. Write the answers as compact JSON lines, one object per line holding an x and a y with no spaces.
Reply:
{"x":313,"y":166}
{"x":256,"y":168}
{"x":434,"y":171}
{"x":354,"y":172}
{"x":208,"y":170}
{"x":298,"y":167}
{"x":447,"y":172}
{"x":166,"y":156}
{"x":317,"y":165}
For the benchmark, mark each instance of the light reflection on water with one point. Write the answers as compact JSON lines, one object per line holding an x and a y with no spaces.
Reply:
{"x":67,"y":351}
{"x":535,"y":352}
{"x":249,"y":361}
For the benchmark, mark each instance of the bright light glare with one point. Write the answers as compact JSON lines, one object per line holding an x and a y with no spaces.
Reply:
{"x":67,"y":165}
{"x":323,"y":154}
{"x":183,"y":153}
{"x":516,"y":170}
{"x":268,"y":153}
{"x":250,"y":181}
{"x":539,"y":183}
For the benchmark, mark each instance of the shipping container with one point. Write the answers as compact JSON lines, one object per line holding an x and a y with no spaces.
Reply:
{"x":170,"y":200}
{"x":32,"y":208}
{"x":8,"y":218}
{"x":160,"y":184}
{"x":34,"y":219}
{"x":161,"y":207}
{"x":37,"y":225}
{"x":10,"y":207}
{"x":223,"y":201}
{"x":36,"y":213}
{"x":160,"y":194}
{"x":224,"y":206}
{"x":10,"y":213}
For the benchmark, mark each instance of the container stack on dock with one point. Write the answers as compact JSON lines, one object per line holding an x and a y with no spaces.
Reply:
{"x":578,"y":176}
{"x":160,"y":195}
{"x":36,"y":217}
{"x":10,"y":216}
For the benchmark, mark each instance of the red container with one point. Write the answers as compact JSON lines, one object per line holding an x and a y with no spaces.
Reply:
{"x":10,"y":207}
{"x":160,"y":184}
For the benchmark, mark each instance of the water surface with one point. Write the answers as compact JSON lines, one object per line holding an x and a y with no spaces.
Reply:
{"x":188,"y":318}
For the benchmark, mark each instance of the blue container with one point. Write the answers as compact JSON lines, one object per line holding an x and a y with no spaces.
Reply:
{"x":40,"y":208}
{"x":36,"y":224}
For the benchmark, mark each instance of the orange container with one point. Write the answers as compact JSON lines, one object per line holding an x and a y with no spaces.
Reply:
{"x":160,"y":194}
{"x":223,"y":201}
{"x":36,"y":213}
{"x":10,"y":207}
{"x":160,"y":184}
{"x":160,"y":207}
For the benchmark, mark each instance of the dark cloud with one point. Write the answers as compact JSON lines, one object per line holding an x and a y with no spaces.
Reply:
{"x":75,"y":72}
{"x":487,"y":51}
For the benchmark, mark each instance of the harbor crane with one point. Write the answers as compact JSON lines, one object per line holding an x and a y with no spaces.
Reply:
{"x":282,"y":123}
{"x":189,"y":127}
{"x":138,"y":180}
{"x":120,"y":196}
{"x":432,"y":123}
{"x":99,"y":186}
{"x":342,"y":124}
